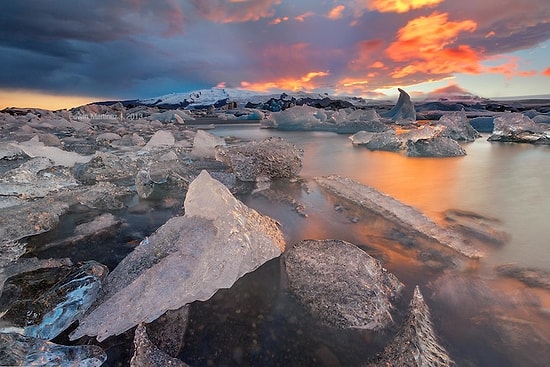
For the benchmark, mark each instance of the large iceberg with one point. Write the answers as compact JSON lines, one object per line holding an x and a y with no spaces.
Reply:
{"x":403,"y":110}
{"x":519,"y":128}
{"x":189,"y":258}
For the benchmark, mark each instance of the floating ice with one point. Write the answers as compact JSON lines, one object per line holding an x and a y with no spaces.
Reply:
{"x":204,"y":144}
{"x":436,"y":147}
{"x":35,"y":148}
{"x":518,"y":128}
{"x":19,"y":350}
{"x":187,"y":259}
{"x":403,"y":110}
{"x":457,"y":127}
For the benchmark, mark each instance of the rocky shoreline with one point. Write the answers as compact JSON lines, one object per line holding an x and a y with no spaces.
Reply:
{"x":59,"y":165}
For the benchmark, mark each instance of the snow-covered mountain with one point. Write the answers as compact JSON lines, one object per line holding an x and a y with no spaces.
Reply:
{"x":206,"y":97}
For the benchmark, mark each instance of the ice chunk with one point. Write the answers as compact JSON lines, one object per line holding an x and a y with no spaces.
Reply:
{"x":434,"y":147}
{"x":360,"y":295}
{"x":395,"y":211}
{"x":300,"y":118}
{"x":204,"y":144}
{"x":403,"y":110}
{"x":268,"y":159}
{"x":161,"y":139}
{"x":187,"y":259}
{"x":178,"y":116}
{"x":518,"y":128}
{"x":35,"y":148}
{"x":55,"y":310}
{"x":19,"y":350}
{"x":35,"y":178}
{"x":415,"y":344}
{"x":457,"y":127}
{"x":387,"y":140}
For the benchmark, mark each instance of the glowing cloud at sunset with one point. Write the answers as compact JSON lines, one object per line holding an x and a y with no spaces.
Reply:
{"x":137,"y":49}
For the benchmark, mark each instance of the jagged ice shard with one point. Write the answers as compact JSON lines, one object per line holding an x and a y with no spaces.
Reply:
{"x":403,"y":109}
{"x":189,"y":258}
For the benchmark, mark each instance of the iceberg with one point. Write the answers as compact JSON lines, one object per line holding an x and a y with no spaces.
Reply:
{"x":518,"y":128}
{"x":20,"y":350}
{"x":360,"y":295}
{"x":204,"y":144}
{"x":397,"y":212}
{"x":415,"y":344}
{"x":403,"y":109}
{"x":436,"y":147}
{"x":457,"y":127}
{"x":189,"y":258}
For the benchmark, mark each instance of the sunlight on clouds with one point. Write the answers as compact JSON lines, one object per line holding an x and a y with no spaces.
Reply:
{"x":393,"y":6}
{"x":427,"y":35}
{"x":304,"y":83}
{"x":336,"y":12}
{"x":302,"y":17}
{"x":546,"y":72}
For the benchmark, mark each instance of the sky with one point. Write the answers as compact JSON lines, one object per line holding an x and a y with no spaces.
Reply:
{"x":57,"y":53}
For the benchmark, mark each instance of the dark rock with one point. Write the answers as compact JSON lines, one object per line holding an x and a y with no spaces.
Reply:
{"x":415,"y":344}
{"x":147,"y":354}
{"x":168,"y":331}
{"x":268,"y":159}
{"x":434,"y":147}
{"x":340,"y":284}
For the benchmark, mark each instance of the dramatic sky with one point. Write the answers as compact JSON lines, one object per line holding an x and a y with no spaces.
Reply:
{"x":124,"y":49}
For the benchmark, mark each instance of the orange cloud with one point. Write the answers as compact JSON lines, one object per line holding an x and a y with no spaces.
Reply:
{"x":426,"y":35}
{"x":306,"y":82}
{"x":546,"y":72}
{"x":394,"y":6}
{"x":336,"y":12}
{"x":302,"y":17}
{"x":367,"y":53}
{"x":278,"y":20}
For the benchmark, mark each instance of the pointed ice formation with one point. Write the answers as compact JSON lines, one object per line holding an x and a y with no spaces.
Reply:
{"x":403,"y":109}
{"x":415,"y":344}
{"x":205,"y":143}
{"x":187,"y":259}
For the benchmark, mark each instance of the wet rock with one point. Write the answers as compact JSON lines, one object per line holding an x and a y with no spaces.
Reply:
{"x":107,"y":139}
{"x":168,"y":331}
{"x":147,"y":354}
{"x":105,"y":166}
{"x":268,"y":159}
{"x":204,"y":144}
{"x":395,"y":211}
{"x":532,"y":277}
{"x":10,"y":251}
{"x":473,"y":224}
{"x":340,"y":284}
{"x":403,"y":110}
{"x":437,"y":147}
{"x":415,"y":344}
{"x":217,"y":241}
{"x":35,"y":148}
{"x":19,"y":350}
{"x":457,"y":127}
{"x":518,"y":128}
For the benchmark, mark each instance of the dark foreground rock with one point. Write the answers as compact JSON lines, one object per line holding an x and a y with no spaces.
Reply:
{"x":436,"y":147}
{"x":415,"y":344}
{"x":217,"y":241}
{"x":257,"y":161}
{"x":397,"y":212}
{"x":147,"y":354}
{"x":340,"y":284}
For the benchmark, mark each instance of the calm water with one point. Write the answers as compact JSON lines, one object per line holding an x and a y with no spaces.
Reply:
{"x":509,"y":182}
{"x":481,"y":319}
